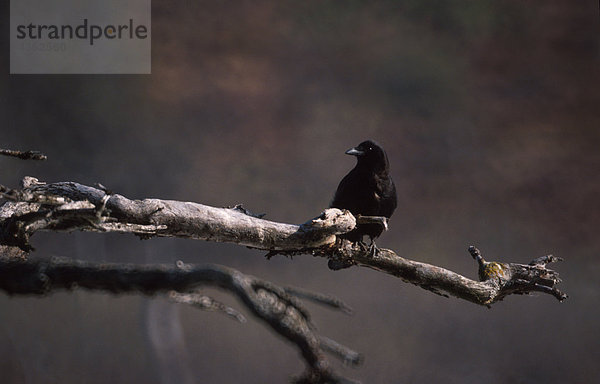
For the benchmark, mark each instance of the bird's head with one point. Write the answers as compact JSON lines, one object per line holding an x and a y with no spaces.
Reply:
{"x":370,"y":154}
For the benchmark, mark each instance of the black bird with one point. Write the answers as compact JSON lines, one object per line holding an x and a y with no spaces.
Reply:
{"x":367,"y":190}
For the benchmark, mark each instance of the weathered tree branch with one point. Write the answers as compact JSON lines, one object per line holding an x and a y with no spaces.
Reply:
{"x":70,"y":206}
{"x":268,"y":302}
{"x":24,"y":155}
{"x":497,"y":281}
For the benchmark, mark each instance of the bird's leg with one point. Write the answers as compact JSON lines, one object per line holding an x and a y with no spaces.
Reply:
{"x":373,"y":248}
{"x":363,"y":245}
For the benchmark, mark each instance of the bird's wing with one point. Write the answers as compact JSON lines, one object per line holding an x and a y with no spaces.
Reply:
{"x":344,"y":195}
{"x":386,"y":190}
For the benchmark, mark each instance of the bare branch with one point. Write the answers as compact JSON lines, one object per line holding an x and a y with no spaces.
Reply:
{"x":319,"y":298}
{"x":262,"y":298}
{"x":347,"y":355}
{"x":497,"y":281}
{"x":71,"y":206}
{"x":164,"y":218}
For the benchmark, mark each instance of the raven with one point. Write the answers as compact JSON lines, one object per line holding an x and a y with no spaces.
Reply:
{"x":367,"y":190}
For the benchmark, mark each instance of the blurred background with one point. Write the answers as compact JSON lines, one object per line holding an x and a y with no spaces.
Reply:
{"x":489,"y":112}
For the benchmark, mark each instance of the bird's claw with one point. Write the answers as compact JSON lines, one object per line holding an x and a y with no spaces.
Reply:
{"x":371,"y":248}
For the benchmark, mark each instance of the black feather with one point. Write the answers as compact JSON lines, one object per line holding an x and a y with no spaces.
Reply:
{"x":368,"y":189}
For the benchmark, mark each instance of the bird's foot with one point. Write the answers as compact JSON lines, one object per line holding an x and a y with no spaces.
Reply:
{"x":371,"y":248}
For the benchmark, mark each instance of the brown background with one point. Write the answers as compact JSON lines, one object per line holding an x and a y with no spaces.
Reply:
{"x":488,"y":111}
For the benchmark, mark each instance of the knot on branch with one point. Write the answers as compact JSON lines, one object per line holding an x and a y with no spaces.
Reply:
{"x":319,"y":236}
{"x":343,"y":254}
{"x":332,"y":221}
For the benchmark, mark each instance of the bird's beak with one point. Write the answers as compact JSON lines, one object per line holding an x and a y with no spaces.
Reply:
{"x":354,"y":152}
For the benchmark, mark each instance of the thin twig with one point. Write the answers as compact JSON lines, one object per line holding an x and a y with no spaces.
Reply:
{"x":320,"y":298}
{"x":24,"y":155}
{"x":206,"y":303}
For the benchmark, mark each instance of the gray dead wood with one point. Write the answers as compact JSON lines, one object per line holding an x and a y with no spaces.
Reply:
{"x":70,"y":206}
{"x":24,"y":155}
{"x":266,"y":301}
